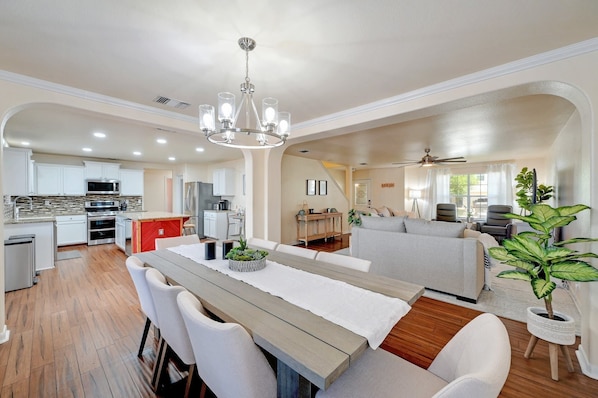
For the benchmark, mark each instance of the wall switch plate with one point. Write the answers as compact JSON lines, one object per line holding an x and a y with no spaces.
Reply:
{"x":160,"y":232}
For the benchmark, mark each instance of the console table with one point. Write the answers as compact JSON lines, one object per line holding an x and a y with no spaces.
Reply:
{"x":319,"y":226}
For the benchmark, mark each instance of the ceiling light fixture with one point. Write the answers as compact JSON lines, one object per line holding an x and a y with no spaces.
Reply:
{"x":137,"y":153}
{"x":269,"y":132}
{"x":161,"y":141}
{"x":86,"y":149}
{"x":99,"y":135}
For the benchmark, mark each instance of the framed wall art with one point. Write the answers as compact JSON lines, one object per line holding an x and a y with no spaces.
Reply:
{"x":311,"y":187}
{"x":323,"y":187}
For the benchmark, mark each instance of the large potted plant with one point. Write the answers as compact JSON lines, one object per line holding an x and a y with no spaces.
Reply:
{"x":537,"y":259}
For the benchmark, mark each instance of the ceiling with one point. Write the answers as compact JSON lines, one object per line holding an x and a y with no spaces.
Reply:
{"x":317,"y":57}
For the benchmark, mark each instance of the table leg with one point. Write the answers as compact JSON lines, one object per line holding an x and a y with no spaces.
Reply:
{"x":553,"y":350}
{"x":567,"y":356}
{"x":291,"y":384}
{"x":530,"y":346}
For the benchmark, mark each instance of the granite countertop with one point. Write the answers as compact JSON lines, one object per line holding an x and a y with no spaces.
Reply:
{"x":30,"y":219}
{"x":151,"y":215}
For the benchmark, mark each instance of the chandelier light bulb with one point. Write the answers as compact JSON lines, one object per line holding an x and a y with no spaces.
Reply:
{"x":269,"y":113}
{"x":226,"y":111}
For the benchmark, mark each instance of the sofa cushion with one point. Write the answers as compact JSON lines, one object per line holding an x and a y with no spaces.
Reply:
{"x":392,"y":224}
{"x":434,"y":228}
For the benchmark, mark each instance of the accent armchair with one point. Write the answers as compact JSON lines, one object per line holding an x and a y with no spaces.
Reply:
{"x":496,"y":224}
{"x":446,"y":212}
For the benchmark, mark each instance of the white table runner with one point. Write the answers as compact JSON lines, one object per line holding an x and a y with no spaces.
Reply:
{"x":366,"y":313}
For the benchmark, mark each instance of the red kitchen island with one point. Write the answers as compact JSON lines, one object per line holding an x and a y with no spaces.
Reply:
{"x":147,"y":226}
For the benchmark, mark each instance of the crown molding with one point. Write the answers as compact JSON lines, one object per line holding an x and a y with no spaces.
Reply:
{"x":89,"y":95}
{"x":548,"y":57}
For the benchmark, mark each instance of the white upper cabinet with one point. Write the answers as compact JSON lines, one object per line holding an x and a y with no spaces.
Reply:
{"x":224,"y":182}
{"x":101,"y":170}
{"x":56,"y":179}
{"x":16,"y":171}
{"x":131,"y":182}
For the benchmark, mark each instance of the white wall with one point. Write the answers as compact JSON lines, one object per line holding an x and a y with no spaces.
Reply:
{"x":382,"y":194}
{"x":295,"y":172}
{"x":157,"y":191}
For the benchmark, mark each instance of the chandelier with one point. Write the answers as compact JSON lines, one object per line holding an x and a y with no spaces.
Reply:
{"x":269,"y":132}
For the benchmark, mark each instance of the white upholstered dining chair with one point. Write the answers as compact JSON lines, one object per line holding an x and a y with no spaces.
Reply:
{"x":474,"y":363}
{"x":262,"y":243}
{"x":165,"y":243}
{"x":297,"y":251}
{"x":173,"y":333}
{"x":137,"y":271}
{"x":228,"y":361}
{"x":344,"y":261}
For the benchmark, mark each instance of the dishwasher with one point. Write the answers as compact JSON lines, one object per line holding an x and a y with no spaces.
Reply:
{"x":19,"y":262}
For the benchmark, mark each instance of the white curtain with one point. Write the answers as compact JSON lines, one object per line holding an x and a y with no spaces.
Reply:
{"x":500,"y":184}
{"x":438,"y":182}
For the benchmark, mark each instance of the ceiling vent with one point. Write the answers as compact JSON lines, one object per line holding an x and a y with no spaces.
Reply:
{"x":171,"y":102}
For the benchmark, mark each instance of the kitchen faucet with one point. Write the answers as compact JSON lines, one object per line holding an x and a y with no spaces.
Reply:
{"x":16,"y":209}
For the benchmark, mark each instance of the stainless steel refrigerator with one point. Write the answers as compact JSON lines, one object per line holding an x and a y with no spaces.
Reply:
{"x":199,"y":197}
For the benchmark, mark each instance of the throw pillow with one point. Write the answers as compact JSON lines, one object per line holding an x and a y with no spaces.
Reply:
{"x":392,"y":224}
{"x":384,"y":212}
{"x":434,"y":228}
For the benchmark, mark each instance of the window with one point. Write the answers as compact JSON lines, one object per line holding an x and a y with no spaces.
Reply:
{"x":470,"y":193}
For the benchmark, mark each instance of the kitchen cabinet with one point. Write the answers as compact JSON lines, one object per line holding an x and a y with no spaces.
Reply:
{"x":147,"y":226}
{"x":45,"y":244}
{"x":102,"y":170}
{"x":71,"y":230}
{"x":56,"y":179}
{"x":131,"y":182}
{"x":224,"y":182}
{"x":215,"y":224}
{"x":16,"y":172}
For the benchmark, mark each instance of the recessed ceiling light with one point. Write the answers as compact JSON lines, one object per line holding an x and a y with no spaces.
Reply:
{"x":86,"y":149}
{"x":137,"y":153}
{"x":199,"y":149}
{"x":172,"y":158}
{"x":25,"y":143}
{"x":99,"y":135}
{"x":161,"y":141}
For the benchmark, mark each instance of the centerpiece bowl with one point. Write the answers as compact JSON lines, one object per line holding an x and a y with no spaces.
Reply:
{"x":244,"y":259}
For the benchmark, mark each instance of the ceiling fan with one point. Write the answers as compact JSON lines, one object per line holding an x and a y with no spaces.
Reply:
{"x":429,"y":160}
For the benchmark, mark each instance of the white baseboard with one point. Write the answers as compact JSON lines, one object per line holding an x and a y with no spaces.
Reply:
{"x":586,"y":367}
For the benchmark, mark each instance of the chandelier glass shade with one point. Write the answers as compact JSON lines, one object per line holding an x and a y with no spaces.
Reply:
{"x":268,"y":131}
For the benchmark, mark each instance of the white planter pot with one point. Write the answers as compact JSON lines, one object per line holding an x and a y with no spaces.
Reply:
{"x":553,"y":331}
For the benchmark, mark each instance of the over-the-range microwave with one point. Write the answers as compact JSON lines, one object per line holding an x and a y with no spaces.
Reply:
{"x":102,"y":187}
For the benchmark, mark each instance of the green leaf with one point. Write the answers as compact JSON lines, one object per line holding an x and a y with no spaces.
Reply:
{"x":555,"y":253}
{"x":525,"y":247}
{"x":499,"y":253}
{"x":518,"y":275}
{"x":543,"y":212}
{"x":575,"y":240}
{"x":542,"y":288}
{"x":526,"y":265}
{"x":569,"y":210}
{"x":578,"y":271}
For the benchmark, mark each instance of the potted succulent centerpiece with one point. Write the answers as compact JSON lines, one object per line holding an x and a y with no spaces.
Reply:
{"x":244,"y":259}
{"x":538,"y":259}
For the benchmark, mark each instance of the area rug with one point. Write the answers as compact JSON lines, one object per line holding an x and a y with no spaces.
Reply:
{"x":68,"y":255}
{"x":509,"y":298}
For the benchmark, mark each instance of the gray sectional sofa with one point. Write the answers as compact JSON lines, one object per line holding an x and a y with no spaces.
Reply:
{"x":430,"y":253}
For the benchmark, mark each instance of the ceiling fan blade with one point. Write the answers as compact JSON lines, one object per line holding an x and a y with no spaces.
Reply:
{"x":449,"y":159}
{"x":452,"y":161}
{"x":407,"y":162}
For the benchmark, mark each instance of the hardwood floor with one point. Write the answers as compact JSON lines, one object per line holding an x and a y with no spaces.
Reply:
{"x":76,"y":334}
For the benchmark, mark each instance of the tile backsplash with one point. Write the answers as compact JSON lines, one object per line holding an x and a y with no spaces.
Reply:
{"x":63,"y":205}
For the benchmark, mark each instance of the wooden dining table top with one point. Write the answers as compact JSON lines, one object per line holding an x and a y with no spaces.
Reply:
{"x":316,"y":349}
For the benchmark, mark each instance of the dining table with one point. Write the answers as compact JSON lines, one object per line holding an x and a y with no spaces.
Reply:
{"x":310,"y":351}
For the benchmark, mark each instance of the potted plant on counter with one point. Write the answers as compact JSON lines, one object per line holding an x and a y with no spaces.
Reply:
{"x":538,"y":259}
{"x":244,"y":259}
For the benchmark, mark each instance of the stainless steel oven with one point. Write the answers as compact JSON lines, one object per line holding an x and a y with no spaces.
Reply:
{"x":101,"y":221}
